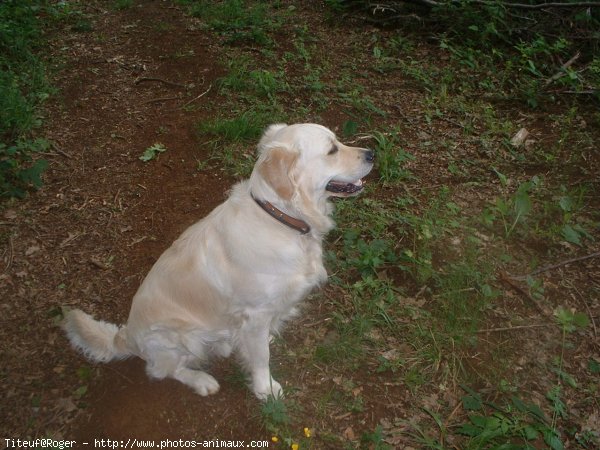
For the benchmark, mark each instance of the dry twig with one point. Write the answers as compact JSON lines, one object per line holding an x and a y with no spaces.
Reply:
{"x":554,"y":266}
{"x":516,"y":327}
{"x":159,"y":100}
{"x":561,"y":72}
{"x":511,"y":282}
{"x":160,"y":80}
{"x":11,"y":254}
{"x":509,"y":5}
{"x":201,"y":95}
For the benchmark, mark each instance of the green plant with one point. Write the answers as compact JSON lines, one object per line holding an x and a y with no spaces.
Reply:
{"x":345,"y":344}
{"x":490,"y":425}
{"x":277,"y":421}
{"x":355,"y":98}
{"x":536,"y":287}
{"x":84,"y":373}
{"x":232,"y":140}
{"x":375,"y":440}
{"x":423,"y":436}
{"x":391,"y":158}
{"x":514,"y":209}
{"x":366,"y":257}
{"x":267,"y":84}
{"x":386,"y":55}
{"x":245,"y":127}
{"x":122,"y":4}
{"x":275,"y":414}
{"x":254,"y":85}
{"x":556,"y":216}
{"x":569,"y":321}
{"x":464,"y":294}
{"x":23,"y":90}
{"x":389,"y":361}
{"x":19,"y":170}
{"x":153,"y":151}
{"x":570,"y":204}
{"x":238,"y":21}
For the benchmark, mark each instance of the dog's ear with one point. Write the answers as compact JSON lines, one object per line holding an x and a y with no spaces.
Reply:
{"x":276,"y":170}
{"x":269,"y":133}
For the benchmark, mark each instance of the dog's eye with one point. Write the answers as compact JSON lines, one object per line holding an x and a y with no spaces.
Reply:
{"x":333,"y":150}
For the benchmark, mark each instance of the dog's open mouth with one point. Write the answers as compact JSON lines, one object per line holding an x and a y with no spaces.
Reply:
{"x":342,"y":188}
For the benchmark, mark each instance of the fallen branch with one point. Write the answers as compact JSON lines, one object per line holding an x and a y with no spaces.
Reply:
{"x":98,"y":264}
{"x":587,"y":92}
{"x":511,"y":282}
{"x":160,"y":80}
{"x":159,"y":100}
{"x":516,"y":327}
{"x":547,"y":5}
{"x":201,"y":95}
{"x":561,"y":72}
{"x":509,"y":5}
{"x":554,"y":266}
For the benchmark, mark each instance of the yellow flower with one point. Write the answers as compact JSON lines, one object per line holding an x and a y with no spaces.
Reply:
{"x":275,"y":439}
{"x":307,"y":432}
{"x":295,"y":446}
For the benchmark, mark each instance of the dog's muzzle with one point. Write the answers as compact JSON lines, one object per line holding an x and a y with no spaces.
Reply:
{"x":344,"y":188}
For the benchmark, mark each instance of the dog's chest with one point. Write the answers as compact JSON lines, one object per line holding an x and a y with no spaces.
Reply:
{"x":314,"y":271}
{"x":280,"y":277}
{"x":300,"y":268}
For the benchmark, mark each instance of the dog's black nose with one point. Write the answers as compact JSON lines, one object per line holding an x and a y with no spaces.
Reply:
{"x":369,"y":156}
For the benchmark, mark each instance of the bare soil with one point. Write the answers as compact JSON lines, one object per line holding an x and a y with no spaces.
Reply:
{"x":88,"y":238}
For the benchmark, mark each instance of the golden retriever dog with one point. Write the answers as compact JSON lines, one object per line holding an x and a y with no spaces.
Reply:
{"x":233,"y":278}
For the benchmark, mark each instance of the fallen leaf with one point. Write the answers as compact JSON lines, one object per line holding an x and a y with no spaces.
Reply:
{"x":356,"y":391}
{"x":66,"y":404}
{"x":10,"y":214}
{"x":349,"y":434}
{"x":31,"y":250}
{"x":390,"y":355}
{"x":519,"y":138}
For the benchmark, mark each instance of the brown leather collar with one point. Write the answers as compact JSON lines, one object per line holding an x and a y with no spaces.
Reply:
{"x":292,"y":222}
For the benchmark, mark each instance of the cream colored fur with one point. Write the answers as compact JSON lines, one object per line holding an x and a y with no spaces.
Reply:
{"x":236,"y":276}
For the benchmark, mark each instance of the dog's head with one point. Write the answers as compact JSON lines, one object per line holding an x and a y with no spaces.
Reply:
{"x":301,"y":166}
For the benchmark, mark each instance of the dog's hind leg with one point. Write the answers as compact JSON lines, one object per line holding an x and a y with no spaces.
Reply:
{"x":203,"y":383}
{"x":162,"y":363}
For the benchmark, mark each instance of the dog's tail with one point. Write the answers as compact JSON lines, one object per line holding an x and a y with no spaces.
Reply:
{"x":98,"y":340}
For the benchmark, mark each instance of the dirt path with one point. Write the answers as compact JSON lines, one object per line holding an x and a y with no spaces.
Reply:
{"x":102,"y":219}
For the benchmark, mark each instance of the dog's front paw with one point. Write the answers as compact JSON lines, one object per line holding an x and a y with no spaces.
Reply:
{"x":268,"y":388}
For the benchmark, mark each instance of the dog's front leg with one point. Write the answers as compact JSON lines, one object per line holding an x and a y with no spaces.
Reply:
{"x":253,"y":348}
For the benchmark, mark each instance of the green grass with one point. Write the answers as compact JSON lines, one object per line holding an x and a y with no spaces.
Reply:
{"x":238,"y":21}
{"x":461,"y":289}
{"x":233,"y":140}
{"x":252,"y":84}
{"x":122,"y":4}
{"x":391,"y":157}
{"x":23,"y":89}
{"x":415,"y":260}
{"x":276,"y":417}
